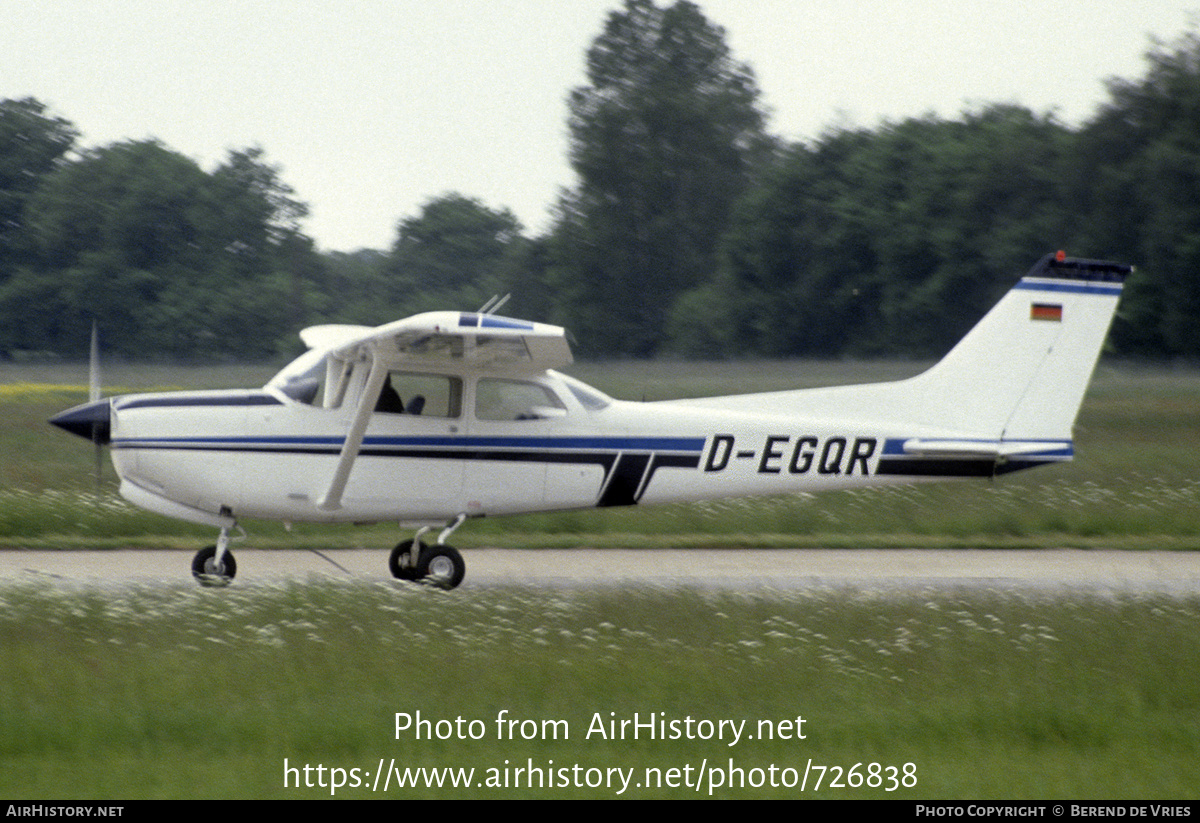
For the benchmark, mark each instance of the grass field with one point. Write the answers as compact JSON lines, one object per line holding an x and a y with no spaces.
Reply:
{"x":197,"y":693}
{"x":186,"y":692}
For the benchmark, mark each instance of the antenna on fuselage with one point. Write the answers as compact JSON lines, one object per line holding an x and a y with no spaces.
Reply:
{"x":494,"y":304}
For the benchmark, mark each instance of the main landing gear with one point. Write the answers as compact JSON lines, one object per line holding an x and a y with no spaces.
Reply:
{"x":438,"y":565}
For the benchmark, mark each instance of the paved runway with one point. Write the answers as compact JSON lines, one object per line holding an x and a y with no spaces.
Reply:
{"x":1042,"y":569}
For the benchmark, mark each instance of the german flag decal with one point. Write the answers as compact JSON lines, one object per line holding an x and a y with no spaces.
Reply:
{"x":1046,"y":311}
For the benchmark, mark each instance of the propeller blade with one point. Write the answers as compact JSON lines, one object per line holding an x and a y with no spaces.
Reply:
{"x":100,"y":428}
{"x":94,"y":366}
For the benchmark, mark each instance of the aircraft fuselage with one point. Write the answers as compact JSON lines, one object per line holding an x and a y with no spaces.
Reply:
{"x":262,"y":454}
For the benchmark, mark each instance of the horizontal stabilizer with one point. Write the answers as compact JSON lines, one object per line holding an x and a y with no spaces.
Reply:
{"x":985,"y":448}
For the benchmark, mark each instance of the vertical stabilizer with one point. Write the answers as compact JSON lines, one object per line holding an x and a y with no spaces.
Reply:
{"x":1021,"y":373}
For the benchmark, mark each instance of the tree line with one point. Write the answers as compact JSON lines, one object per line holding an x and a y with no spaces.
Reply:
{"x":690,"y":229}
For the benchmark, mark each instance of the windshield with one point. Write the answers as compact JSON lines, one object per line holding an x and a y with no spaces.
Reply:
{"x":301,"y":378}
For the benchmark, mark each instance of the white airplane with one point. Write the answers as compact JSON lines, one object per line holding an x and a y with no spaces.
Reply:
{"x":447,"y":416}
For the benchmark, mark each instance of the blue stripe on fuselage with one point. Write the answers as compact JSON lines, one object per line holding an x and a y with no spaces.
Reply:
{"x":668,"y":444}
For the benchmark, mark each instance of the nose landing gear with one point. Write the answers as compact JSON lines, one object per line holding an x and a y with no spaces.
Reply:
{"x":214,"y":566}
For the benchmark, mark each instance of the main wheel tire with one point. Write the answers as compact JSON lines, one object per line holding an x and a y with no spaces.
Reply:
{"x":441,"y":566}
{"x":398,"y":562}
{"x":208,"y":572}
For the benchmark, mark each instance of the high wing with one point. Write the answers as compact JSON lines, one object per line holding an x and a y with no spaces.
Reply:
{"x":332,"y":335}
{"x":482,"y":340}
{"x":425,"y":341}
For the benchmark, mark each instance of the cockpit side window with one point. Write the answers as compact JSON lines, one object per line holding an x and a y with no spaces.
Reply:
{"x":429,"y":395}
{"x":500,"y":399}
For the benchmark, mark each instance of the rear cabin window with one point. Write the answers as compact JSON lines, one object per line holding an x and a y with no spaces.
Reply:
{"x":497,"y":399}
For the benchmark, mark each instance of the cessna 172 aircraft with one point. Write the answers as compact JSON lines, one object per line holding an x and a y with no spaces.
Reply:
{"x":445,"y":416}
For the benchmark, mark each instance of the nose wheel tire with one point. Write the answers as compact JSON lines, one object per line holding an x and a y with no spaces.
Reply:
{"x":208,"y":572}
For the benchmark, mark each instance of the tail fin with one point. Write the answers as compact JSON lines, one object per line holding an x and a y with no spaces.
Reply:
{"x":1005,"y":397}
{"x":1021,"y":373}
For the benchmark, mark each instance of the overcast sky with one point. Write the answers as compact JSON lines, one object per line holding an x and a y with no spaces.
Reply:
{"x":373,"y":107}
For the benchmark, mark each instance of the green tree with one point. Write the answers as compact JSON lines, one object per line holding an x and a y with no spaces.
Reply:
{"x":168,"y":259}
{"x":664,"y":137}
{"x":455,"y":254}
{"x":355,"y":285}
{"x":895,"y":240}
{"x":111,"y":227}
{"x":32,"y":144}
{"x":798,"y":264}
{"x":266,"y":266}
{"x":973,"y":202}
{"x":1140,"y":160}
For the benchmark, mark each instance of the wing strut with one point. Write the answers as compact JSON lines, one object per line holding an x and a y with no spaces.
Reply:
{"x":332,"y":499}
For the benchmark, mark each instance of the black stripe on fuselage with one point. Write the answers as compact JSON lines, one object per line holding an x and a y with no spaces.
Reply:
{"x":623,"y":485}
{"x":950,"y":467}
